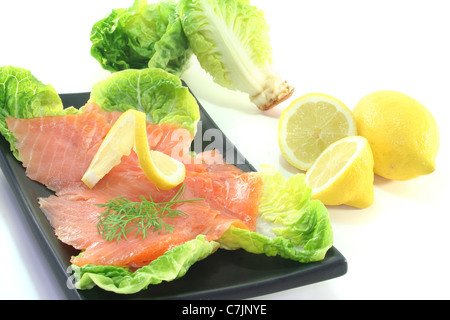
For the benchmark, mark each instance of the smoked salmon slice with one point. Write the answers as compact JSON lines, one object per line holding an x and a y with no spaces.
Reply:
{"x":56,"y":151}
{"x":75,"y":224}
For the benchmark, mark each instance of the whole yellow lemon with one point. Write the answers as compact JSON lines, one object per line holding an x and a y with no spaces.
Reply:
{"x":402,"y":133}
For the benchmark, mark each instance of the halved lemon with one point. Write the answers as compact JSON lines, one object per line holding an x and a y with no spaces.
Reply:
{"x":130,"y":131}
{"x":309,"y":125}
{"x":343,"y":174}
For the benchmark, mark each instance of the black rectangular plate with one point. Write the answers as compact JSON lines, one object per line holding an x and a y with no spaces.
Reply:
{"x":223,"y":275}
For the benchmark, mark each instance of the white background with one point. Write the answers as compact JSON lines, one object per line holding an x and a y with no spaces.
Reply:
{"x":396,"y":249}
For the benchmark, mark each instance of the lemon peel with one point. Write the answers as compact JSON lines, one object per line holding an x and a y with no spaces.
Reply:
{"x":164,"y":171}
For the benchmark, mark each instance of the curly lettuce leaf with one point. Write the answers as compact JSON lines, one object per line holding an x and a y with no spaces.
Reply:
{"x":22,"y":95}
{"x":172,"y":265}
{"x":289,"y":224}
{"x":156,"y":92}
{"x":144,"y":35}
{"x":231,"y":42}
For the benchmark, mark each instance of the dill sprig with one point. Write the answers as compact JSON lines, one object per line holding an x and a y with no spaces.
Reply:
{"x":122,"y":216}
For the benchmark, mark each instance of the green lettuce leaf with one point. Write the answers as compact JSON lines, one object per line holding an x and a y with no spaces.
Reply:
{"x":231,"y":42}
{"x":22,"y":95}
{"x":170,"y":266}
{"x":289,"y":224}
{"x":145,"y":35}
{"x":156,"y":92}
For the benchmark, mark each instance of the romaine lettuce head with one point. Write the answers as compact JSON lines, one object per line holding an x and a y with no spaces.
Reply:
{"x":230,"y":39}
{"x":172,"y":265}
{"x":156,"y":92}
{"x":145,"y":35}
{"x":289,"y":223}
{"x":22,"y":95}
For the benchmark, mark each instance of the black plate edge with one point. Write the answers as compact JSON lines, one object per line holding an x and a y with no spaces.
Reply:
{"x":335,"y":266}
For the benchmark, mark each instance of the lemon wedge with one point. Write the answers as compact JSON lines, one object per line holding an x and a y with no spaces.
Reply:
{"x":127,"y":132}
{"x":343,"y":174}
{"x":309,"y":125}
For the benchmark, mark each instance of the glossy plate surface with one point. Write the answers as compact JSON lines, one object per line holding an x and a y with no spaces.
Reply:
{"x":223,"y":275}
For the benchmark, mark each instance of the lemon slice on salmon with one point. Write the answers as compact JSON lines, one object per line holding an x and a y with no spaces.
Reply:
{"x":130,"y":131}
